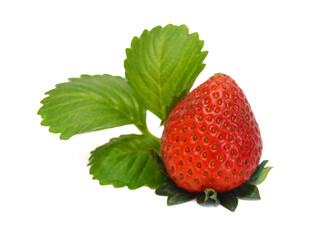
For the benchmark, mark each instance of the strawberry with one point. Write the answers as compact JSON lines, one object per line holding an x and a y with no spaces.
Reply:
{"x":211,"y":138}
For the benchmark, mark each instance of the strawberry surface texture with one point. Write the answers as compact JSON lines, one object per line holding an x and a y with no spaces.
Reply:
{"x":211,"y":138}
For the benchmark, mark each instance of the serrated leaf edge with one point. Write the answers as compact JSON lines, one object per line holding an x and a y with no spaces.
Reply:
{"x":162,"y":112}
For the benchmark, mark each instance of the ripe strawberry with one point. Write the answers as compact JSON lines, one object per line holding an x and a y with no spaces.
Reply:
{"x":211,"y":138}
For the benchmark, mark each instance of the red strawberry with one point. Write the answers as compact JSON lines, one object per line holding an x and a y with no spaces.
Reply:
{"x":211,"y":138}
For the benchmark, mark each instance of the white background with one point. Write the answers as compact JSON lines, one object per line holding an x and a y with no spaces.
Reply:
{"x":281,"y":54}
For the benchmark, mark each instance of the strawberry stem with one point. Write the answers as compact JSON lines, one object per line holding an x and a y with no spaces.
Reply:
{"x":144,"y":130}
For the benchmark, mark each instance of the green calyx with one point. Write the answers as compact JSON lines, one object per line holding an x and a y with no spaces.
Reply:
{"x":229,"y":199}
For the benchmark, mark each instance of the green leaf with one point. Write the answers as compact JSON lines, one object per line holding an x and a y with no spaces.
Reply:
{"x":158,"y":161}
{"x":125,"y":161}
{"x":166,"y":189}
{"x":175,"y":194}
{"x":175,"y":100}
{"x":247,"y":191}
{"x":180,"y":197}
{"x":228,"y":200}
{"x":162,"y":63}
{"x":260,"y":174}
{"x":263,"y":175}
{"x":201,"y":198}
{"x":91,"y":103}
